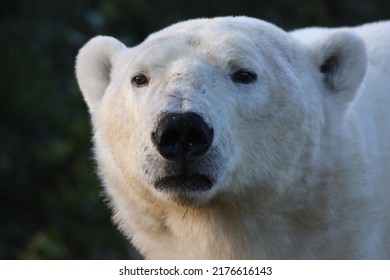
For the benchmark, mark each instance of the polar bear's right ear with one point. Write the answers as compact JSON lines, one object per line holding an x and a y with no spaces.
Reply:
{"x":93,"y":67}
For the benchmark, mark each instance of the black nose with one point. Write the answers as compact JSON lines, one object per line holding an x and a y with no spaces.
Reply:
{"x":180,"y":136}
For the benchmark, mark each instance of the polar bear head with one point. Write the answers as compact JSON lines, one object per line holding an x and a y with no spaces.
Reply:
{"x":208,"y":109}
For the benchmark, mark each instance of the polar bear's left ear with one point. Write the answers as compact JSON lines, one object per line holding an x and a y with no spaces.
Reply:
{"x":93,"y":67}
{"x":341,"y":58}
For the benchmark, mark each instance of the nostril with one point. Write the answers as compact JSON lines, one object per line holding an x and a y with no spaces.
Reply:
{"x":196,"y":137}
{"x":170,"y":137}
{"x":199,"y":140}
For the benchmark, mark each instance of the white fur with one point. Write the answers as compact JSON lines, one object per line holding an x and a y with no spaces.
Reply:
{"x":300,"y":157}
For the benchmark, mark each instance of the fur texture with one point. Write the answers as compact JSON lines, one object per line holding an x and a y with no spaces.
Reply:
{"x":300,"y":160}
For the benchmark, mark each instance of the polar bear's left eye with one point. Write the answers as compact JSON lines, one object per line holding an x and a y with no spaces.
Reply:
{"x":243,"y":77}
{"x":140,"y":80}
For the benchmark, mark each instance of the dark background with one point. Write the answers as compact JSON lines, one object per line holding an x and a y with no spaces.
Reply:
{"x":50,"y":203}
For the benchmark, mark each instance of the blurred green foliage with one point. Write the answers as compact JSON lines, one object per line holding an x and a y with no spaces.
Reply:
{"x":51,"y":207}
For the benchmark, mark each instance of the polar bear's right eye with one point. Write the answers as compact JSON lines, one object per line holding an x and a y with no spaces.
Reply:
{"x":243,"y":77}
{"x":140,"y":80}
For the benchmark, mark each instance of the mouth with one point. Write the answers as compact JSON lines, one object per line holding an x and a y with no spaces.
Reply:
{"x":185,"y":184}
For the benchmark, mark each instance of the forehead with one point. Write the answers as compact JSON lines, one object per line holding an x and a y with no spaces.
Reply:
{"x":224,"y":42}
{"x":208,"y":43}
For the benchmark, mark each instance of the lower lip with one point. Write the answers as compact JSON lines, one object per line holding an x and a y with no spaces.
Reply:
{"x":184,"y":184}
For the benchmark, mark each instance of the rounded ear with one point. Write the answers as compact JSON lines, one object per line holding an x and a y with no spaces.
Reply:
{"x":93,"y":67}
{"x":341,"y":58}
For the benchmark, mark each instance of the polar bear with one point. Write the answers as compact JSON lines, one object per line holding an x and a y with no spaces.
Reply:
{"x":229,"y":138}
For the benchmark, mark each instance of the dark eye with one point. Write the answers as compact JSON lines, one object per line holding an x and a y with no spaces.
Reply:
{"x":244,"y":77}
{"x":140,"y":80}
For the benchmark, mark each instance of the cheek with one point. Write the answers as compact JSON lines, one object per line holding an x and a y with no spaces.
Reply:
{"x":119,"y":127}
{"x":271,"y":131}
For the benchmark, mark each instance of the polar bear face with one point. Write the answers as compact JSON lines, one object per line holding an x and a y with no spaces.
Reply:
{"x":207,"y":109}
